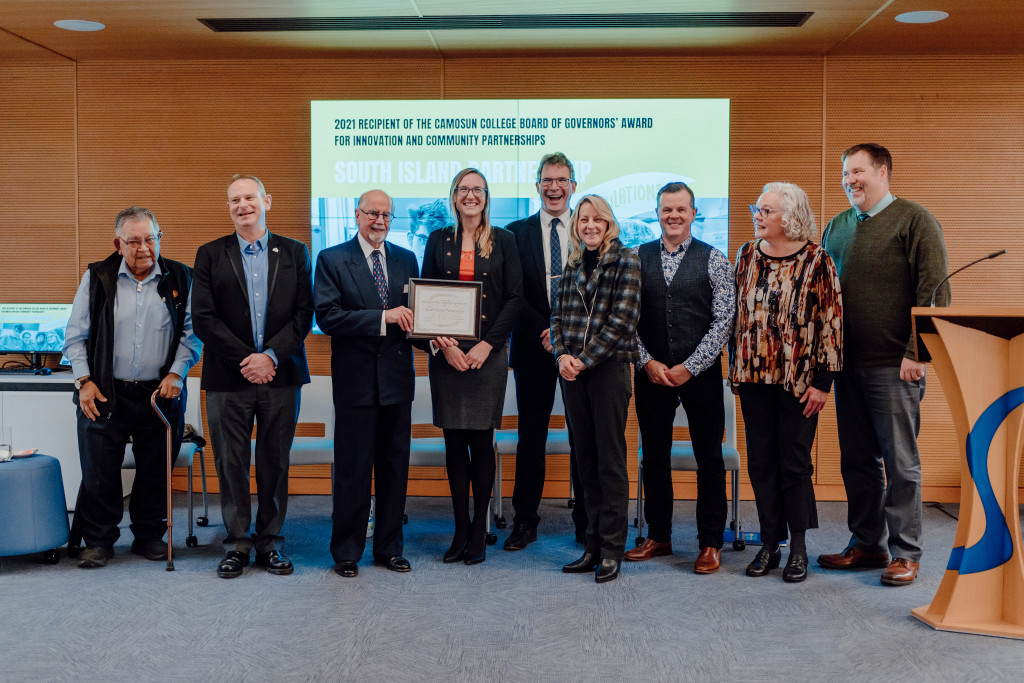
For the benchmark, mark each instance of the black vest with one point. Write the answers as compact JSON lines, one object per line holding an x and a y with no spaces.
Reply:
{"x":173,"y":287}
{"x":674,"y":318}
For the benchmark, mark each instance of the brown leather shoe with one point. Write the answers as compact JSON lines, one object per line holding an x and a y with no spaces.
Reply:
{"x":648,"y":550}
{"x":852,"y":558}
{"x":900,"y":572}
{"x":708,"y":562}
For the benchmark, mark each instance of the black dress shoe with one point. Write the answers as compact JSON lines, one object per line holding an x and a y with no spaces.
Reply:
{"x":607,"y":570}
{"x":471,"y":557}
{"x":275,"y":561}
{"x":765,"y":561}
{"x":151,"y":550}
{"x":796,"y":567}
{"x":456,"y":551}
{"x":395,"y":563}
{"x":346,"y":568}
{"x":522,"y":535}
{"x":587,"y":563}
{"x":232,"y":564}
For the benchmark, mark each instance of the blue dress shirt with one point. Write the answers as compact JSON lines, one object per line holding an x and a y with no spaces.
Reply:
{"x":255,"y":264}
{"x":141,"y":330}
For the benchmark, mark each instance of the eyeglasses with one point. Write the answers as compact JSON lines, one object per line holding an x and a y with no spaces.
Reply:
{"x":561,"y":182}
{"x":374,"y":215}
{"x":766,"y":212}
{"x":136,"y":243}
{"x":475,"y":191}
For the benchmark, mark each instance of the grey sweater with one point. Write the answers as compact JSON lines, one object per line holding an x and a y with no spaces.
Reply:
{"x":887,"y":264}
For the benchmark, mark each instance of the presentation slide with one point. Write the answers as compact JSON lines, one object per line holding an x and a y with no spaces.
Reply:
{"x":621,"y":149}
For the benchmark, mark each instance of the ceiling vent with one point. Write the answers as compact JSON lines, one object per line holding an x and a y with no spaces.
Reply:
{"x":514,"y":22}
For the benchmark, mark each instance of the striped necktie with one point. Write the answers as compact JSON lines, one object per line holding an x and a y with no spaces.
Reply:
{"x":556,"y":261}
{"x":378,"y":278}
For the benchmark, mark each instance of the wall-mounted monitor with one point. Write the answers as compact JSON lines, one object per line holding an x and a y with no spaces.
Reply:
{"x":33,"y":328}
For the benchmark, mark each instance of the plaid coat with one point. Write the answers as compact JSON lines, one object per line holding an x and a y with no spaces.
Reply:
{"x":595,"y":319}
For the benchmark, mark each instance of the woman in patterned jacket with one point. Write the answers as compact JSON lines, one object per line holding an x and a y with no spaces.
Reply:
{"x":785,"y":350}
{"x":593,"y":325}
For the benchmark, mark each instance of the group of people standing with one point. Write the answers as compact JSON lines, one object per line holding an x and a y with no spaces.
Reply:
{"x":581,"y":312}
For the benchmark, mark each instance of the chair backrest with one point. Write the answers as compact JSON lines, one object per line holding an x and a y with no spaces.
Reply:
{"x":317,"y":404}
{"x":422,"y":410}
{"x":559,"y":406}
{"x":511,"y":407}
{"x":193,"y":405}
{"x":730,"y":415}
{"x":729,"y":401}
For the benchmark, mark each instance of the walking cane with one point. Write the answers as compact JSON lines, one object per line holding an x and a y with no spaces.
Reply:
{"x":170,"y":511}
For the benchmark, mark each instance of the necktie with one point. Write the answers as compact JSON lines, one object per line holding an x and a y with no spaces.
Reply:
{"x":863,"y":216}
{"x":378,"y":278}
{"x":556,"y":261}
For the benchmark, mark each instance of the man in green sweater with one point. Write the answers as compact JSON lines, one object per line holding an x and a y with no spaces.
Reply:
{"x":891,"y":255}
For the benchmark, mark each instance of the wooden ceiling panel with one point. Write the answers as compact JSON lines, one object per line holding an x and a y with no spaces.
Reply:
{"x":157,"y":29}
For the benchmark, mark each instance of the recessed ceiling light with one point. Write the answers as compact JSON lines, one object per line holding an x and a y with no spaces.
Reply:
{"x":79,"y":25}
{"x":923,"y":17}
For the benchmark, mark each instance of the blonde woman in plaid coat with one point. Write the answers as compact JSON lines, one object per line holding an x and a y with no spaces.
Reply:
{"x":593,"y":327}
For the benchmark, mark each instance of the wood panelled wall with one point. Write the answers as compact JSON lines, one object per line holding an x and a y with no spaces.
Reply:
{"x":168,"y":135}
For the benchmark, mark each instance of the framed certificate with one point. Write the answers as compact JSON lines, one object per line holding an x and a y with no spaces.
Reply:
{"x":445,"y":308}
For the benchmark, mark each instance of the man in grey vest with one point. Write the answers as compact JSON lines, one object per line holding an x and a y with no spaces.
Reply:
{"x":687,"y":304}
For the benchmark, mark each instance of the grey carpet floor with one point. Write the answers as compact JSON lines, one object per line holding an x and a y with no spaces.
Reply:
{"x":514,"y":618}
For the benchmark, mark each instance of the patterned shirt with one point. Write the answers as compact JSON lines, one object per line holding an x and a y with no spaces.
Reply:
{"x":723,"y":307}
{"x":789,"y":321}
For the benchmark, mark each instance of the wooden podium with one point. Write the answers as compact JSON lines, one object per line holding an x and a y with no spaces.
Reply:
{"x":978,"y":354}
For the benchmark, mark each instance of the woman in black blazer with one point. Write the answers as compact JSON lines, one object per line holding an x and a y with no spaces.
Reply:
{"x":467,"y":378}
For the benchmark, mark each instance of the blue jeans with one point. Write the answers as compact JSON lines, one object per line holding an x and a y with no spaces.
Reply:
{"x":879,"y":417}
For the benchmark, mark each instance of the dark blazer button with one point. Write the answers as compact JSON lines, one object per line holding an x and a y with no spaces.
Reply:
{"x":483,"y":317}
{"x":448,"y":253}
{"x":449,"y":272}
{"x":484,"y":295}
{"x":485,"y":274}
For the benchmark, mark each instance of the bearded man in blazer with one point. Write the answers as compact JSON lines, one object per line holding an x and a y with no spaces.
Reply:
{"x":252,"y":307}
{"x":530,"y":352}
{"x":361,"y":293}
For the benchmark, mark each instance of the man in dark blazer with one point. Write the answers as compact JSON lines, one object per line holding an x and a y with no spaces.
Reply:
{"x":530,"y":353}
{"x":361,"y":291}
{"x":252,"y":308}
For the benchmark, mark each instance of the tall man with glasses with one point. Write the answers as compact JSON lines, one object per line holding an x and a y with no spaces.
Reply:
{"x":129,"y":335}
{"x":687,"y":305}
{"x":361,"y":291}
{"x":891,"y":256}
{"x":543,"y":242}
{"x":254,"y":308}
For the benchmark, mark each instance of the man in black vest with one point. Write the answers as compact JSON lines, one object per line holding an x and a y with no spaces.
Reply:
{"x":543,"y":242}
{"x":130,"y":334}
{"x":687,"y":304}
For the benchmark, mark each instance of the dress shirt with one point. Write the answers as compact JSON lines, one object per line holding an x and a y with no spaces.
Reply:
{"x":141,"y":322}
{"x":255,"y":264}
{"x":881,"y":205}
{"x":723,"y":307}
{"x":563,"y":241}
{"x":368,"y":250}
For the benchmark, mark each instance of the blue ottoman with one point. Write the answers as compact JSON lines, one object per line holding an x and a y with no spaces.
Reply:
{"x":33,"y":517}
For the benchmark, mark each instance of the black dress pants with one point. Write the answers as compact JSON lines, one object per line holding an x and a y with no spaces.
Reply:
{"x":656,"y":406}
{"x":779,"y":440}
{"x":369,"y":442}
{"x":101,"y":445}
{"x":597,"y":402}
{"x":535,"y":397}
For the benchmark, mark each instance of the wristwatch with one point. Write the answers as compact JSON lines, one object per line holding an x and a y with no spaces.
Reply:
{"x":79,"y":383}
